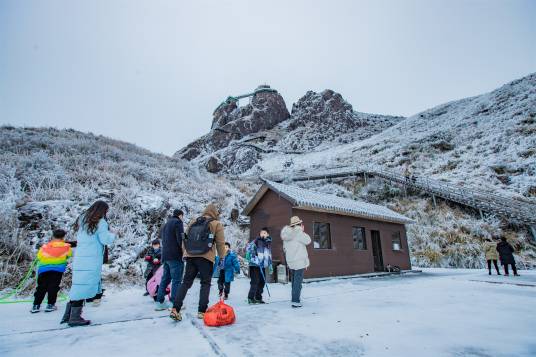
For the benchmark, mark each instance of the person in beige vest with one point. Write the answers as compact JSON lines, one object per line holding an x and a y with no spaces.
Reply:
{"x":201,"y":264}
{"x":295,"y":242}
{"x":490,"y":251}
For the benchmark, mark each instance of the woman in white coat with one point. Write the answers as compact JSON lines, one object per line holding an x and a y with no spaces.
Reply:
{"x":295,"y":242}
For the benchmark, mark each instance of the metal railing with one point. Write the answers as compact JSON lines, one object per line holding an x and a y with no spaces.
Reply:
{"x":513,"y":209}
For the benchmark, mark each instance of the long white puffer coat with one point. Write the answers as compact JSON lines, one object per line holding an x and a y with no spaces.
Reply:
{"x":295,"y":242}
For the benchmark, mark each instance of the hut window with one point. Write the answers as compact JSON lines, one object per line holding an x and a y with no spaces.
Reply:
{"x":360,"y":242}
{"x":397,"y":243}
{"x":322,"y":236}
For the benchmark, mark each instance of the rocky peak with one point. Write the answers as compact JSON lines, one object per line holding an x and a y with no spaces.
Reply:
{"x":230,"y":122}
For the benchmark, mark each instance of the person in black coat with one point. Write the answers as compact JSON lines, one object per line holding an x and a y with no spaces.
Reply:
{"x":506,"y":255}
{"x":171,"y":236}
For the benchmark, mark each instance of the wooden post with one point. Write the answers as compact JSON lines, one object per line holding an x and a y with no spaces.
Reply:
{"x":433,"y":199}
{"x":533,"y":231}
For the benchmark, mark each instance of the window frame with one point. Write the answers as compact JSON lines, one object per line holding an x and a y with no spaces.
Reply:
{"x":396,"y":236}
{"x":329,"y":236}
{"x":364,"y":236}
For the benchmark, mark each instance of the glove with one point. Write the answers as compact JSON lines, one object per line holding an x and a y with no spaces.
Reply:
{"x":148,"y":258}
{"x":156,"y":261}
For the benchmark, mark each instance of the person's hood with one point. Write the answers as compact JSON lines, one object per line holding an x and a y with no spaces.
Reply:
{"x":289,"y":233}
{"x":211,"y":211}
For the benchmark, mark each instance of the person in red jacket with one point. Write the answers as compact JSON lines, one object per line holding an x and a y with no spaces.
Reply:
{"x":153,"y":259}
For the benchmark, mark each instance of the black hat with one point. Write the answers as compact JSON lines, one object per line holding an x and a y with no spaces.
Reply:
{"x":156,"y":241}
{"x":178,"y":212}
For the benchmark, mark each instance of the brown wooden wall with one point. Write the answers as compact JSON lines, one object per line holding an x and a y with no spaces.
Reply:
{"x":342,"y":259}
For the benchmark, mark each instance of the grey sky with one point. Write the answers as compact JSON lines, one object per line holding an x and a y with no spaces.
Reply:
{"x":152,"y":72}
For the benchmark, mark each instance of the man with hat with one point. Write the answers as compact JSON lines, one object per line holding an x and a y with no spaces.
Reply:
{"x":295,"y":242}
{"x":171,"y":235}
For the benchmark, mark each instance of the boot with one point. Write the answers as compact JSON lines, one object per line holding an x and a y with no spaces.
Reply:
{"x":66,"y":314}
{"x":35,"y":308}
{"x":76,"y":318}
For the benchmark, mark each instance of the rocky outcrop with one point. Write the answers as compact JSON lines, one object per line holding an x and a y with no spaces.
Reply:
{"x":230,"y":122}
{"x":241,"y":136}
{"x":326,"y":118}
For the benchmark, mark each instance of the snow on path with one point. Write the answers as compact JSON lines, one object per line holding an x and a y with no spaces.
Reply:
{"x":440,"y":312}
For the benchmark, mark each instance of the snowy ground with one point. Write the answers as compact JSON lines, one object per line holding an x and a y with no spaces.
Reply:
{"x":440,"y":312}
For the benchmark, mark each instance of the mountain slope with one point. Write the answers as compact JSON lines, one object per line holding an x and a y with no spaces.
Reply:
{"x":48,"y":176}
{"x":488,"y":141}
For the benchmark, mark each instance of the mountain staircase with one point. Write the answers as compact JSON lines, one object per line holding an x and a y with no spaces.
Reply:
{"x":518,"y":211}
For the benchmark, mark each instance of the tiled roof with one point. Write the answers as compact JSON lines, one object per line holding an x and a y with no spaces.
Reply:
{"x":308,"y":199}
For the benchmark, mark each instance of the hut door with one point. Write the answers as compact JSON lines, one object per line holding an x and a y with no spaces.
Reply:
{"x":377,"y":250}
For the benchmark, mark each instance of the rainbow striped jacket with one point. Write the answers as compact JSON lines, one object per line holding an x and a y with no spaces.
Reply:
{"x":53,"y":256}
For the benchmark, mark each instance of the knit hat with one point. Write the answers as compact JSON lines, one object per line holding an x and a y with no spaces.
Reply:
{"x":295,"y":220}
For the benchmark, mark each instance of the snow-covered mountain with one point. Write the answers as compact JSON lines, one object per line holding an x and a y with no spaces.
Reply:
{"x":242,"y":137}
{"x":48,"y":176}
{"x":487,"y":141}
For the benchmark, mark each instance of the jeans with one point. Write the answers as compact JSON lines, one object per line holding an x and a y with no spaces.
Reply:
{"x":194,"y":266}
{"x":222,"y":285}
{"x":256,"y":284}
{"x":172,"y":273}
{"x":47,"y":283}
{"x":297,"y":279}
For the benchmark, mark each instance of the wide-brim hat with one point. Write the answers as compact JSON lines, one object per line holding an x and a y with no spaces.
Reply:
{"x":295,"y":220}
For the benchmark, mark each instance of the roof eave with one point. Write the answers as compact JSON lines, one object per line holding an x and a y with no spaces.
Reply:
{"x":350,"y":214}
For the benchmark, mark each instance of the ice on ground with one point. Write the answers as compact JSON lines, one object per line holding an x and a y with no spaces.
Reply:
{"x":439,"y":312}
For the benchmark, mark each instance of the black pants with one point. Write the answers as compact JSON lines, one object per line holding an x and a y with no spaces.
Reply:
{"x":495,"y":264}
{"x":194,"y":266}
{"x":256,"y":284}
{"x":47,"y":283}
{"x":77,"y":303}
{"x":222,"y":285}
{"x":513,"y":268}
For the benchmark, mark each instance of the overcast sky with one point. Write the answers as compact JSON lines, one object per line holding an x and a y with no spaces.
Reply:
{"x":152,"y":72}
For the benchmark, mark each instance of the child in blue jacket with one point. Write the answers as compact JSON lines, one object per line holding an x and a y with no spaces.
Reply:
{"x":228,"y":267}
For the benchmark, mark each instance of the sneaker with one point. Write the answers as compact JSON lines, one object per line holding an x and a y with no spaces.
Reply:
{"x":296,"y":304}
{"x":225,"y":297}
{"x":50,"y":308}
{"x":175,"y":315}
{"x":35,"y":308}
{"x":160,"y":306}
{"x":220,"y":293}
{"x":252,"y":301}
{"x":261,"y":301}
{"x":517,"y":275}
{"x":200,"y":315}
{"x":146,"y":294}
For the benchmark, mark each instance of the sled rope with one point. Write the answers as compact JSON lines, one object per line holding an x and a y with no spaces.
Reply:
{"x":21,"y":285}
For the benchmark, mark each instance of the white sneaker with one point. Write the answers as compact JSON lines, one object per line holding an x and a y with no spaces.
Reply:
{"x":297,"y":304}
{"x":160,"y":306}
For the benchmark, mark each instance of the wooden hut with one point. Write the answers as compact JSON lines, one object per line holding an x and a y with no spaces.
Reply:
{"x":349,"y":237}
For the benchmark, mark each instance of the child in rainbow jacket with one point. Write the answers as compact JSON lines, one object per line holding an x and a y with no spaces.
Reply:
{"x":51,"y":263}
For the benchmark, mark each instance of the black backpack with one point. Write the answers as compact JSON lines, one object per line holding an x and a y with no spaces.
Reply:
{"x":200,"y":238}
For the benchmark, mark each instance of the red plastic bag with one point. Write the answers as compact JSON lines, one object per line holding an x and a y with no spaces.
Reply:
{"x":219,"y":314}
